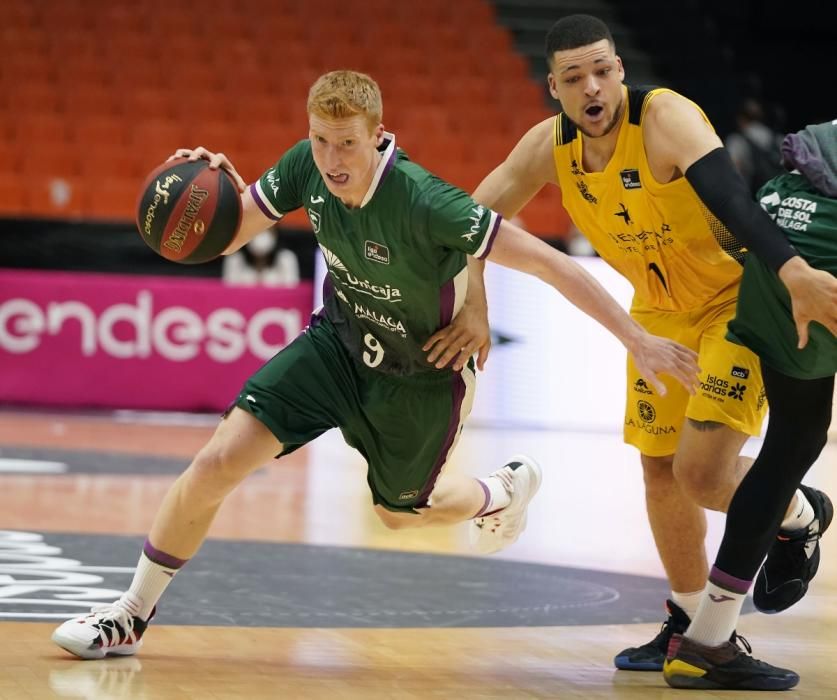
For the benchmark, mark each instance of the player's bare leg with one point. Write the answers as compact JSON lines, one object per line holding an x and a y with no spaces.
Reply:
{"x":708,"y":465}
{"x":496,"y":505}
{"x":239,"y":445}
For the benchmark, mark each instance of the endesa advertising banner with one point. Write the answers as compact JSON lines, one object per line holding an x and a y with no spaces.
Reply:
{"x":114,"y":341}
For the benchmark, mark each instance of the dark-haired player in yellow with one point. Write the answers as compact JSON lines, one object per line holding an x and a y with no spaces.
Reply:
{"x":646,"y":179}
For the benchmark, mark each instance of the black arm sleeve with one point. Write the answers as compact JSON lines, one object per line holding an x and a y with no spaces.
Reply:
{"x":723,"y":191}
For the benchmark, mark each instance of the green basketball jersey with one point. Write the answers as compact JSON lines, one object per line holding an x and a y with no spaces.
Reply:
{"x":397,"y":264}
{"x":763,"y":320}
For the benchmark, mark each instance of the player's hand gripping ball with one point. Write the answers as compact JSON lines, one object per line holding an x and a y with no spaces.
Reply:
{"x":187,"y":212}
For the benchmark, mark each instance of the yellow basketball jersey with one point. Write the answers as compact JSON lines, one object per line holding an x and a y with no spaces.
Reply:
{"x":677,"y":255}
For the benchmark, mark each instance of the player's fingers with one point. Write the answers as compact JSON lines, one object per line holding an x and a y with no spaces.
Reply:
{"x":681,"y":352}
{"x":226,"y":165}
{"x":685,"y":367}
{"x":655,"y":380}
{"x":462,"y":359}
{"x":685,"y":371}
{"x":180,"y":153}
{"x":452,"y":348}
{"x":200,"y":152}
{"x":239,"y":181}
{"x":448,"y":345}
{"x":219,"y":160}
{"x":690,"y":366}
{"x":431,"y":341}
{"x":467,"y":352}
{"x":483,"y":355}
{"x":687,"y":353}
{"x":686,"y":360}
{"x":802,"y":332}
{"x":437,"y":337}
{"x":692,"y":382}
{"x":445,"y":359}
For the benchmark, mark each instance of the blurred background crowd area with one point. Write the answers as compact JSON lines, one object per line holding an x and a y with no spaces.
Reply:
{"x":95,"y":93}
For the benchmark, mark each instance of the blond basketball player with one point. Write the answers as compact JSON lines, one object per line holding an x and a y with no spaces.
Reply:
{"x":645,"y":178}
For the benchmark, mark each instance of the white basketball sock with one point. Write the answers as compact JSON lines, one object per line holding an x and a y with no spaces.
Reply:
{"x":719,"y":609}
{"x":802,"y":514}
{"x":716,"y":616}
{"x":497,"y":492}
{"x":152,"y":578}
{"x":687,"y":602}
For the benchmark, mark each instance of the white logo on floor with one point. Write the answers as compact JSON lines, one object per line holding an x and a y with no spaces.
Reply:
{"x":36,"y":583}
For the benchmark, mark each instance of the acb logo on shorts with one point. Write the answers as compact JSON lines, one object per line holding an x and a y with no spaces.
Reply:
{"x":408,"y":495}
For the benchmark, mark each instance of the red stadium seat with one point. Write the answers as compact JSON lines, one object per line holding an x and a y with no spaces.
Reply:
{"x":39,"y":127}
{"x":12,"y":194}
{"x":112,"y":198}
{"x":216,"y":135}
{"x":101,"y":88}
{"x":42,"y":160}
{"x":159,"y":135}
{"x":83,"y":100}
{"x":32,"y":96}
{"x":97,"y":131}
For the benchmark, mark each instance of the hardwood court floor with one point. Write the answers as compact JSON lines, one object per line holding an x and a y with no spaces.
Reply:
{"x":589,"y":514}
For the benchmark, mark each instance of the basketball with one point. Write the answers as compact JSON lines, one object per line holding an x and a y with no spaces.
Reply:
{"x":188,"y":213}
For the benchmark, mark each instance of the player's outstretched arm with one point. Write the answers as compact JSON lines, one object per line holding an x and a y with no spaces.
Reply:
{"x":528,"y":167}
{"x":678,"y":136}
{"x":469,"y":332}
{"x":253,"y":221}
{"x":515,"y":248}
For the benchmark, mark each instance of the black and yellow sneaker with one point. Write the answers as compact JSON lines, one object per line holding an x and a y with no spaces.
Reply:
{"x":699,"y":667}
{"x":650,"y":656}
{"x":793,"y":559}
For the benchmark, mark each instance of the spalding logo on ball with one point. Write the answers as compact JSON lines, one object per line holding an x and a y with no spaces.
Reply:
{"x":188,"y":213}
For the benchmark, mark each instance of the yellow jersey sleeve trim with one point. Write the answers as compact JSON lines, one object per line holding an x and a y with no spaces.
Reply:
{"x":657,"y":91}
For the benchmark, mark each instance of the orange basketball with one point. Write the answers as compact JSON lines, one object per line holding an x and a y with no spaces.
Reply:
{"x":187,"y":212}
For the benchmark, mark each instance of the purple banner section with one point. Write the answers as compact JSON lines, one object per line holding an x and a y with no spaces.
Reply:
{"x":113,"y":341}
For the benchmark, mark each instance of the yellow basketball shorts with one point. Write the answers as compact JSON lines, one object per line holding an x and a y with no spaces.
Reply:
{"x":730,"y":391}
